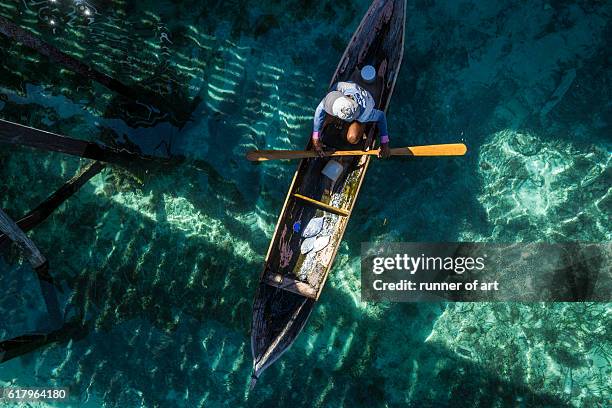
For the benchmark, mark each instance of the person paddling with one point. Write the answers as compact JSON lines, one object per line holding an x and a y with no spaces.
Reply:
{"x":351,"y":103}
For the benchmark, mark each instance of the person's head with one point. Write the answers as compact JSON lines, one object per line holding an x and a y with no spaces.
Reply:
{"x":345,"y":108}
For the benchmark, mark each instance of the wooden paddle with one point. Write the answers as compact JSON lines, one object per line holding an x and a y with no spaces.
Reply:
{"x":453,"y":149}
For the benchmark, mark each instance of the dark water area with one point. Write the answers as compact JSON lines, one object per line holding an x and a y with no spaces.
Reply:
{"x":163,"y":259}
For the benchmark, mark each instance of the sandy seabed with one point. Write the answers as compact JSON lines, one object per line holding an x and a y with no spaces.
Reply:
{"x":163,"y":261}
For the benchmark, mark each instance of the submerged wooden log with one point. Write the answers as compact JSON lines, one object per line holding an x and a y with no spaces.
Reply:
{"x":46,"y":208}
{"x":28,"y":343}
{"x":21,"y":345}
{"x":16,"y":33}
{"x":16,"y":134}
{"x":135,"y":93}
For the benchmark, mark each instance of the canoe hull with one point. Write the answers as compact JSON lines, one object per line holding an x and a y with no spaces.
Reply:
{"x":294,"y":276}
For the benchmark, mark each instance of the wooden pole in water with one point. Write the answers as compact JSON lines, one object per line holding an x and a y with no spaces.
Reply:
{"x":16,"y":134}
{"x":8,"y":226}
{"x":27,"y":343}
{"x":46,"y":208}
{"x":21,"y":345}
{"x":39,"y":264}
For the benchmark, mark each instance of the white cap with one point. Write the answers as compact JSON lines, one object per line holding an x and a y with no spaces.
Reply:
{"x":345,"y":108}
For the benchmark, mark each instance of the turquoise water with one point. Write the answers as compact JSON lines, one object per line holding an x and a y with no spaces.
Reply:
{"x":164,"y":260}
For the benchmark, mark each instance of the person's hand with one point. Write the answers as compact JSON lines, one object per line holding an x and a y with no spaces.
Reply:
{"x":384,"y":151}
{"x":318,"y":147}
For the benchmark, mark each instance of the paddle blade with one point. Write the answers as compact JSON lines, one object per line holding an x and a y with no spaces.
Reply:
{"x":452,"y":149}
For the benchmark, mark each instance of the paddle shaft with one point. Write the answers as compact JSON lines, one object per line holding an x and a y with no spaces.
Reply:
{"x":453,"y":149}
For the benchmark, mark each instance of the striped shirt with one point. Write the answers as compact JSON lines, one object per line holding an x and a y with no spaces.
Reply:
{"x":366,"y":111}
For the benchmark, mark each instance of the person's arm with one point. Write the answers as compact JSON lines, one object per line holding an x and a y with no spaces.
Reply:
{"x":319,"y":118}
{"x":380,"y":118}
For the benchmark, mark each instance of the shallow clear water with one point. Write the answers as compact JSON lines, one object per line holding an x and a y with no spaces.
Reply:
{"x":164,"y":260}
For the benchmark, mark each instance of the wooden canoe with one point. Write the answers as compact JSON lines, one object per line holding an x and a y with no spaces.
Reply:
{"x":291,"y":281}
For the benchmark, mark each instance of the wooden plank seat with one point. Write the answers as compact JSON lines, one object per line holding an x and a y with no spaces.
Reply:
{"x":322,"y":206}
